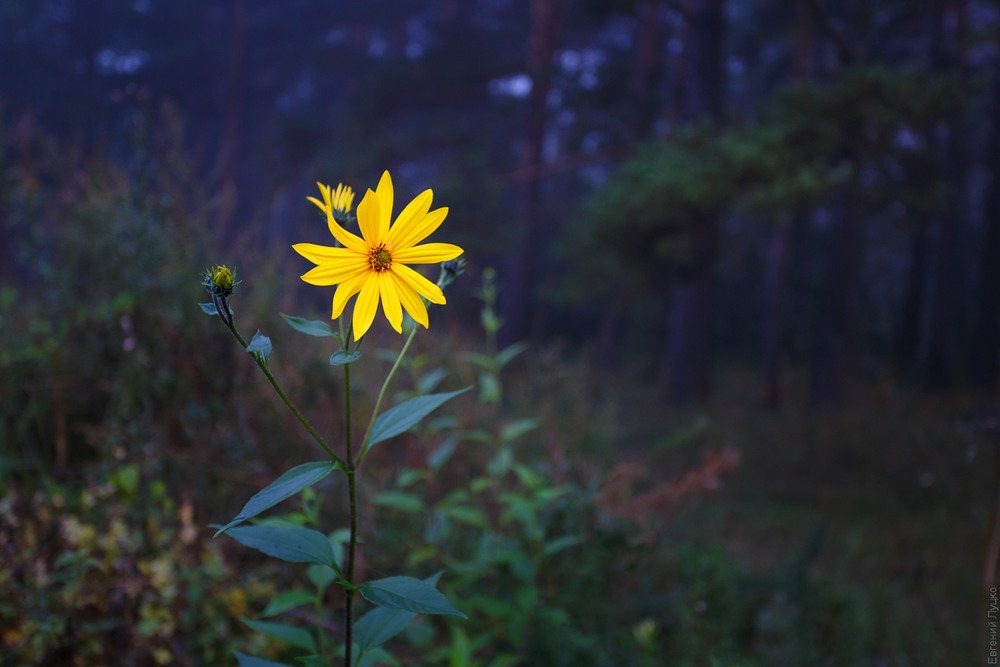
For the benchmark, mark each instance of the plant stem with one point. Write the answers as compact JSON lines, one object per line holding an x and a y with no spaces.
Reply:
{"x":352,"y":497}
{"x":274,"y":383}
{"x":381,"y":393}
{"x":318,"y":606}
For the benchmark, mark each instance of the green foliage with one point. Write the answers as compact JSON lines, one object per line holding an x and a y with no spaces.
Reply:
{"x":106,"y":574}
{"x":292,"y":482}
{"x":405,"y":416}
{"x":806,"y":143}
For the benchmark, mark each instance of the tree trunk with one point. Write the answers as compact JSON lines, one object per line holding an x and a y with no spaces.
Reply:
{"x":910,"y":323}
{"x":521,"y":269}
{"x":692,"y":291}
{"x":774,"y":301}
{"x":836,"y":335}
{"x":945,"y":289}
{"x":647,"y":70}
{"x":986,"y":351}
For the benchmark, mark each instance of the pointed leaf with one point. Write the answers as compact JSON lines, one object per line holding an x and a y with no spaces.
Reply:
{"x":311,"y":327}
{"x":341,"y":357}
{"x":510,"y":352}
{"x":560,"y":543}
{"x":287,"y":485}
{"x":380,"y":625}
{"x":383,"y":623}
{"x":286,"y":633}
{"x":291,"y":543}
{"x":407,"y":593}
{"x":404,"y":416}
{"x":312,"y":661}
{"x":260,"y":346}
{"x":209,"y":308}
{"x":250,"y":661}
{"x":321,"y":576}
{"x":287,"y":600}
{"x":406,"y":502}
{"x":517,"y":429}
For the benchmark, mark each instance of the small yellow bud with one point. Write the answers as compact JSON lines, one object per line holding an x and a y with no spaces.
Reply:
{"x":222,"y":277}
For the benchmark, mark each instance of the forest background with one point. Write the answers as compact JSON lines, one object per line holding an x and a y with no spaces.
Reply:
{"x":752,"y":249}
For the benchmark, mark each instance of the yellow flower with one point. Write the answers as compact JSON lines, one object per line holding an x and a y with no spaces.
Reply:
{"x":336,"y":203}
{"x":376,"y":265}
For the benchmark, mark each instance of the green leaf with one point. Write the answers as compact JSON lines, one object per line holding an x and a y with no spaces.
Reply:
{"x":383,"y":623}
{"x":210,"y":309}
{"x":409,"y":477}
{"x":509,"y":352}
{"x":321,"y":576}
{"x":341,"y":357}
{"x":378,"y":657}
{"x":287,"y":600}
{"x":480,"y":359}
{"x":440,"y":456}
{"x":561,"y":543}
{"x":250,"y":661}
{"x":294,"y":544}
{"x":312,"y":661}
{"x":529,"y":477}
{"x":286,"y":633}
{"x":431,"y":380}
{"x":311,"y":327}
{"x":287,"y":485}
{"x":406,"y":502}
{"x":408,"y":593}
{"x":260,"y":346}
{"x":490,"y":390}
{"x":469,"y":515}
{"x":380,"y":625}
{"x":517,"y":429}
{"x":404,"y":416}
{"x":501,"y":462}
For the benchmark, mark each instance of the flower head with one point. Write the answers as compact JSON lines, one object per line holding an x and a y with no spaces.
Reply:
{"x":218,"y":280}
{"x":336,"y":203}
{"x":374,"y":266}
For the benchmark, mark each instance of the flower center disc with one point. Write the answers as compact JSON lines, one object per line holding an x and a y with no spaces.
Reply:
{"x":380,"y":259}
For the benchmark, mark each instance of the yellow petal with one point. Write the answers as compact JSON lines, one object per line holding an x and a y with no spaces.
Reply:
{"x":345,"y":291}
{"x":411,"y":301}
{"x":421,"y":229}
{"x":368,"y":219}
{"x":333,"y":273}
{"x":346,"y":238}
{"x":365,"y":306}
{"x":321,"y":253}
{"x":428,"y":253}
{"x":384,"y":191}
{"x":424,"y":287}
{"x":413,"y":213}
{"x":390,"y":300}
{"x":318,"y":203}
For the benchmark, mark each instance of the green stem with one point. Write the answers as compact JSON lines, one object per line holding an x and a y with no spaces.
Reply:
{"x":381,"y":393}
{"x":318,"y":606}
{"x":274,"y":383}
{"x":352,"y":545}
{"x":352,"y":491}
{"x":352,"y":497}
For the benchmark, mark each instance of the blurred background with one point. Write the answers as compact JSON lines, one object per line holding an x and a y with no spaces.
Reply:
{"x":742,"y":407}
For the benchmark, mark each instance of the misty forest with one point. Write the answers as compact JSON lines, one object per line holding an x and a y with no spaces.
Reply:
{"x":663,"y":332}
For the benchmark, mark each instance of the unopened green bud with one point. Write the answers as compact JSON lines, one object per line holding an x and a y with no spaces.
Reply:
{"x":450,"y":270}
